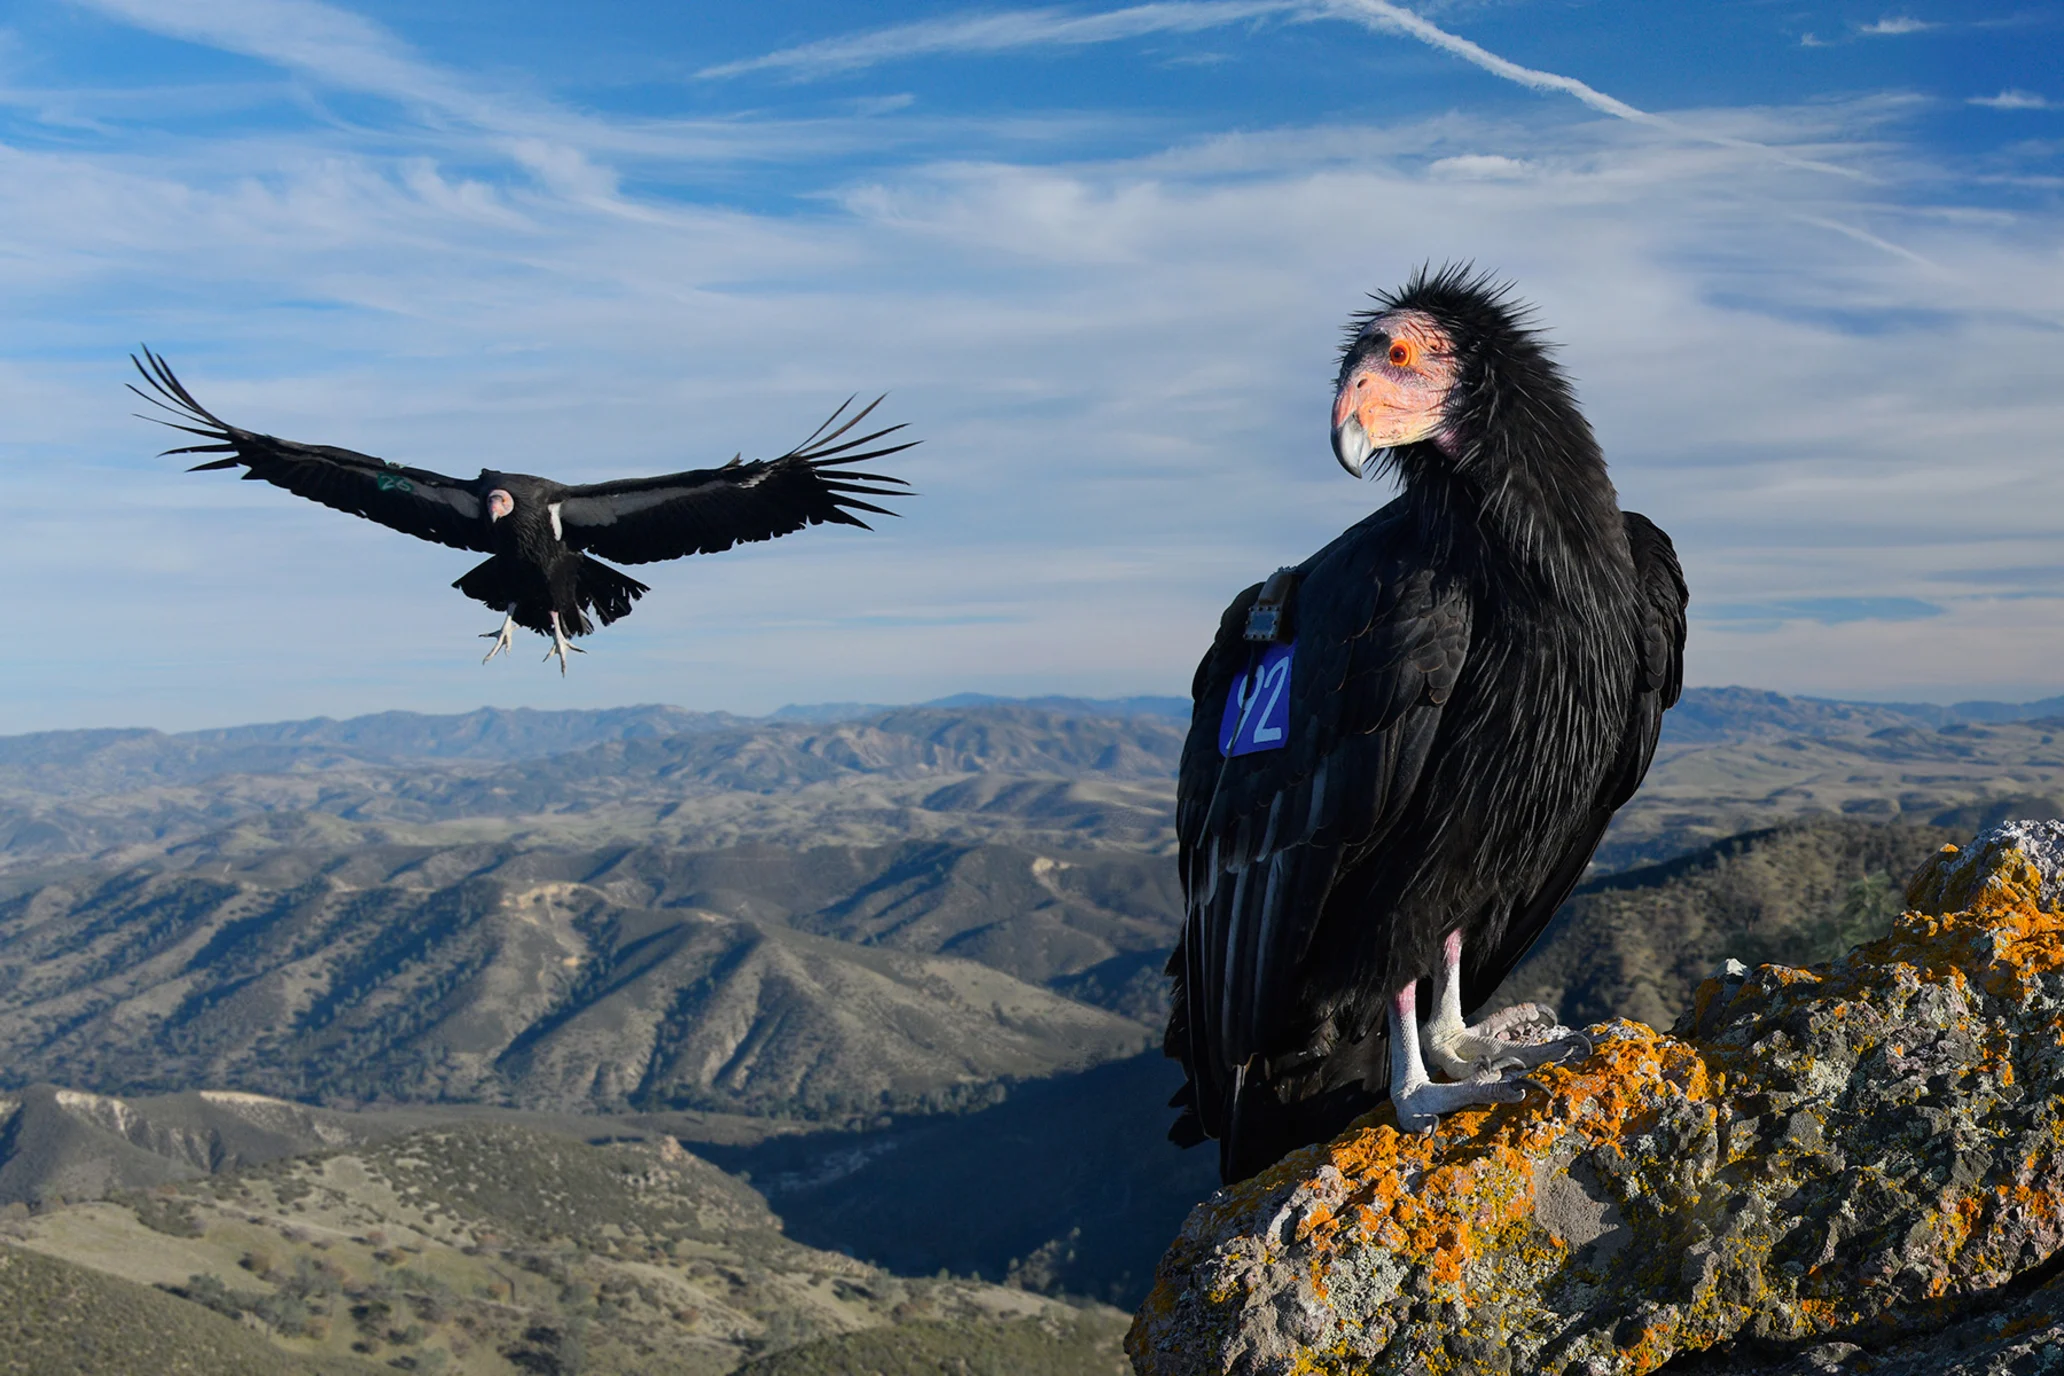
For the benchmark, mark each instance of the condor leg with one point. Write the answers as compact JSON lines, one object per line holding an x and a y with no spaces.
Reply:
{"x":1419,"y":1101}
{"x":560,"y":646}
{"x":501,"y":637}
{"x":1519,"y":1038}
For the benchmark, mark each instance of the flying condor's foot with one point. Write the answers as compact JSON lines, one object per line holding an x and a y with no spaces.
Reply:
{"x":560,"y":645}
{"x":1522,"y":1037}
{"x":501,"y":638}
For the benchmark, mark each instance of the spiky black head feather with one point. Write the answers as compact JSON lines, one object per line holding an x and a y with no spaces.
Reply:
{"x":1515,"y":448}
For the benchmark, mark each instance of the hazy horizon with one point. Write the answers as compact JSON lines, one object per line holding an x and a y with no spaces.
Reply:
{"x":862,"y":706}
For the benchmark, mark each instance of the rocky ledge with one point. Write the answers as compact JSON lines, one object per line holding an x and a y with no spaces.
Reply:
{"x":1853,"y":1167}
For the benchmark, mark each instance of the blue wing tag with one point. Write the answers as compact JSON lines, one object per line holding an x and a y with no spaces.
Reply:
{"x":1257,"y":707}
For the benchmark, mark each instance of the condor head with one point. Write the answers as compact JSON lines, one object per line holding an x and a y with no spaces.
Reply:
{"x":1395,"y":379}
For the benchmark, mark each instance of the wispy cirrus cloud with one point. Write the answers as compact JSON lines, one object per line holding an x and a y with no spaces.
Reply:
{"x":1000,"y":31}
{"x":1009,"y":30}
{"x":324,"y":40}
{"x":2013,"y":99}
{"x":1892,"y":26}
{"x":1383,"y":16}
{"x":567,"y":150}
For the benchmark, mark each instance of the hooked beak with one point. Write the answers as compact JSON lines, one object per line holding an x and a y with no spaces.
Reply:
{"x":1375,"y":410}
{"x":1351,"y":445}
{"x":499,"y":504}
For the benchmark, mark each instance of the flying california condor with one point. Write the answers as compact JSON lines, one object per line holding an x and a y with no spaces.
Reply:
{"x":1405,"y":749}
{"x":543,"y":535}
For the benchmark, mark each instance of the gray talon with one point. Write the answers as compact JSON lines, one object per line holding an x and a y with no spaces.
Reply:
{"x":502,"y":637}
{"x":560,"y":646}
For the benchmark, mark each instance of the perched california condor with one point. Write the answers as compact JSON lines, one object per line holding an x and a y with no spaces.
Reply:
{"x":1404,"y":750}
{"x":542,"y":534}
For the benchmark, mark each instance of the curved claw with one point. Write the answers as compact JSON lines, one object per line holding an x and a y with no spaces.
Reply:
{"x":503,"y":638}
{"x":1420,"y":1106}
{"x":560,"y":652}
{"x":560,"y":646}
{"x":1512,"y":1040}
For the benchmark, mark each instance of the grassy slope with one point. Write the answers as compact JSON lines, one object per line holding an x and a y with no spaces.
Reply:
{"x":1636,"y":944}
{"x":59,"y":1319}
{"x":485,"y":1250}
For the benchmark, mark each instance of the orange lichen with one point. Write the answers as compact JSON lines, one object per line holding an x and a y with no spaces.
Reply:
{"x":1475,"y":1178}
{"x":2004,"y":937}
{"x":1453,"y":1216}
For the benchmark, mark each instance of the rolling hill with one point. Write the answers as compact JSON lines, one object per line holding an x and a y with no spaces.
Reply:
{"x":556,"y":980}
{"x":874,"y":958}
{"x":483,"y":1248}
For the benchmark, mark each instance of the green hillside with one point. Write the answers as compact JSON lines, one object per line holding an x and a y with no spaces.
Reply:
{"x":492,"y":1250}
{"x":1637,"y":944}
{"x":61,"y":1319}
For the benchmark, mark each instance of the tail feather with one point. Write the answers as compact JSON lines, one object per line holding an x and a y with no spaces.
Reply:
{"x":506,"y":582}
{"x":606,"y":592}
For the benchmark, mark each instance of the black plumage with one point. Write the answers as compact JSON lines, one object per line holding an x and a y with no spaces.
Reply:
{"x":544,"y":536}
{"x":1479,"y":672}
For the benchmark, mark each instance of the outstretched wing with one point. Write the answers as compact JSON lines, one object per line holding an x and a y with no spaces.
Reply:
{"x":1379,"y":646}
{"x":640,"y":520}
{"x":413,"y":501}
{"x":1659,"y":639}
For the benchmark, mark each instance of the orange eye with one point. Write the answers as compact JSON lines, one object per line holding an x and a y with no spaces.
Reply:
{"x":1402,"y":354}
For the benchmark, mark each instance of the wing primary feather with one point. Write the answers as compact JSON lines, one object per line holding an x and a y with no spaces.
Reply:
{"x":841,"y":453}
{"x":819,"y":481}
{"x":173,"y":398}
{"x":862,"y":483}
{"x":827,"y":425}
{"x":820,"y":440}
{"x":426,"y":505}
{"x":843,"y":490}
{"x":854,"y":504}
{"x":154,"y":401}
{"x":161,"y":377}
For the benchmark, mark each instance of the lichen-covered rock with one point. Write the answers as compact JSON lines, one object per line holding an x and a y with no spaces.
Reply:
{"x":1837,"y":1168}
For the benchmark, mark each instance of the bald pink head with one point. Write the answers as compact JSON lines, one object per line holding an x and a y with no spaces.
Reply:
{"x":1395,"y":389}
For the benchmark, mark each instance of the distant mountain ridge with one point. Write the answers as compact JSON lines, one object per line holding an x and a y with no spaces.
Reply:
{"x":1706,"y":715}
{"x":74,"y":762}
{"x":71,"y":763}
{"x":1071,"y":774}
{"x":908,"y":772}
{"x":1138,"y":706}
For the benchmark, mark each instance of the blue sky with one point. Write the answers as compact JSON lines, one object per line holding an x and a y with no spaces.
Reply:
{"x":1805,"y":262}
